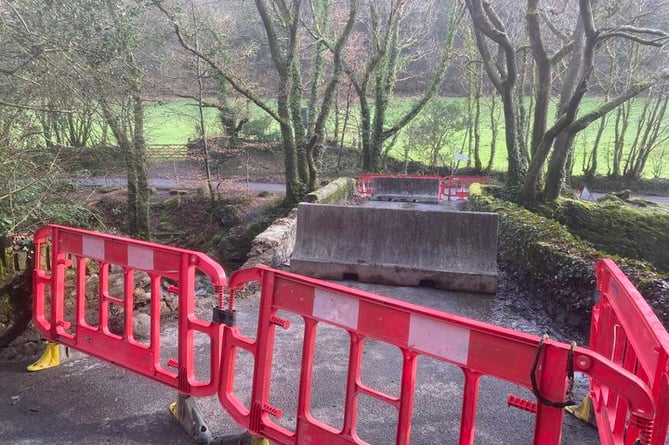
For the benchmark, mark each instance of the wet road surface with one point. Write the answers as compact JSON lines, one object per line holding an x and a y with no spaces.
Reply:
{"x":89,"y":401}
{"x":267,"y":187}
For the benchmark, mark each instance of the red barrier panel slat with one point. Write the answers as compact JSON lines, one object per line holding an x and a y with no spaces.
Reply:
{"x":509,"y":358}
{"x":469,"y":404}
{"x":406,"y":398}
{"x":637,"y":319}
{"x":70,"y":242}
{"x":114,"y":252}
{"x":294,"y":296}
{"x":352,"y":387}
{"x":662,"y":409}
{"x":384,"y":323}
{"x":548,"y":427}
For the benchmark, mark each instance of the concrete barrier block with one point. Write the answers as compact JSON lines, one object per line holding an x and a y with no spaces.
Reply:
{"x":411,"y":247}
{"x":412,"y":189}
{"x":274,"y":246}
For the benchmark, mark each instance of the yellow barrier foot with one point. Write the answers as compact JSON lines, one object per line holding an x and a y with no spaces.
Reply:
{"x":54,"y":355}
{"x":583,"y":412}
{"x":50,"y":358}
{"x":188,"y":414}
{"x":240,"y":439}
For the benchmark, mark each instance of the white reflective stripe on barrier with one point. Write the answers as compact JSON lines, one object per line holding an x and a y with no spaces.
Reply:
{"x":438,"y":338}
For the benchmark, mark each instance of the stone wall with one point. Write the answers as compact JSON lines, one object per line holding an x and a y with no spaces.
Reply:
{"x":274,"y":246}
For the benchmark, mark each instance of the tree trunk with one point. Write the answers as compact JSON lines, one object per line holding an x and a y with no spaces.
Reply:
{"x":383,"y":67}
{"x":205,"y":141}
{"x":591,"y":169}
{"x":622,"y":121}
{"x":503,"y":75}
{"x":494,"y":125}
{"x":294,"y":85}
{"x":293,"y":189}
{"x":648,"y":133}
{"x":143,"y":227}
{"x":478,"y":166}
{"x":557,"y":166}
{"x":517,"y":163}
{"x":368,"y":164}
{"x":573,"y":90}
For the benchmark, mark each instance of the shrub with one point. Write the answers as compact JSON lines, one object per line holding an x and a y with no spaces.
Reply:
{"x":262,"y":129}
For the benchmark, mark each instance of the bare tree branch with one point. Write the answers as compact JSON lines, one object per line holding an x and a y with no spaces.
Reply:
{"x":18,"y":16}
{"x":223,"y":73}
{"x":582,"y":122}
{"x":562,"y":53}
{"x":34,"y":108}
{"x":437,"y":79}
{"x":553,"y":28}
{"x":635,"y":36}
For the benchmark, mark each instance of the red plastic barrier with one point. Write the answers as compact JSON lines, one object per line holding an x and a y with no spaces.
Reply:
{"x":627,"y":383}
{"x":477,"y":348}
{"x":364,"y":184}
{"x":365,"y":188}
{"x":62,"y":318}
{"x":625,"y":330}
{"x":458,"y":186}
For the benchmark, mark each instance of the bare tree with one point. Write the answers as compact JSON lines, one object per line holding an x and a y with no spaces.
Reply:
{"x":282,"y":23}
{"x":568,"y":122}
{"x":391,"y":42}
{"x":651,"y":131}
{"x":473,"y":79}
{"x":89,"y":49}
{"x":551,"y":142}
{"x":498,"y":55}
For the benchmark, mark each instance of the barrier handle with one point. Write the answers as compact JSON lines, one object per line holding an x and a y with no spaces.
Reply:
{"x":618,"y":379}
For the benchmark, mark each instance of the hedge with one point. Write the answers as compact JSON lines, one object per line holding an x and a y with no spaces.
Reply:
{"x":641,"y":233}
{"x":546,"y":254}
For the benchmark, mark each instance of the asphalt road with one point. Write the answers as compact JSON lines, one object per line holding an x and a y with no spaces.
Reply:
{"x":264,"y":187}
{"x":653,"y":198}
{"x":163,"y":183}
{"x":92,"y":402}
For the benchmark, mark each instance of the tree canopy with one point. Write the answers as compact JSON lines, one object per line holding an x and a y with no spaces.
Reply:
{"x":77,"y":74}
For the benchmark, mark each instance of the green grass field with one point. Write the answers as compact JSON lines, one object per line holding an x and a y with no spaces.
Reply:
{"x":175,"y":122}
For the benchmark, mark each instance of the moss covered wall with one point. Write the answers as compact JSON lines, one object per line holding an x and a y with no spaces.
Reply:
{"x":542,"y":250}
{"x":339,"y":190}
{"x":615,"y":227}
